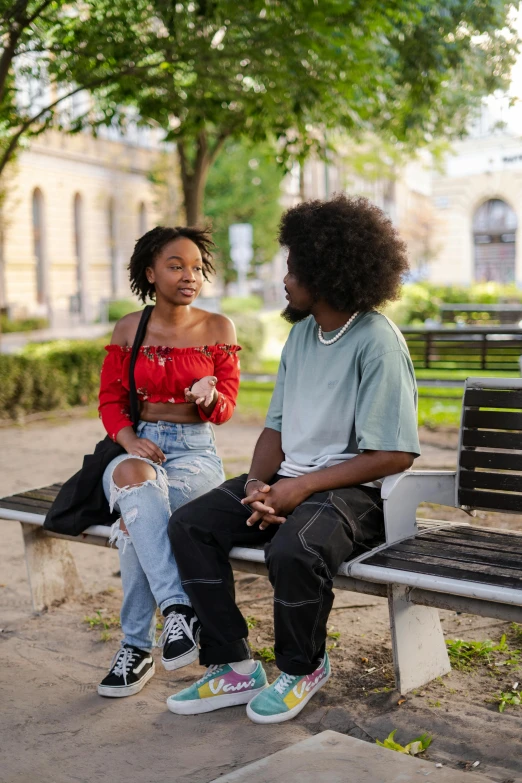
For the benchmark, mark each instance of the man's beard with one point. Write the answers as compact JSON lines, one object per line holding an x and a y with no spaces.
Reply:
{"x":293,"y":315}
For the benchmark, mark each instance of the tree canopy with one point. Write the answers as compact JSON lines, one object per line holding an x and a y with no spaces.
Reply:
{"x":410,"y":71}
{"x":55,"y":54}
{"x":210,"y":70}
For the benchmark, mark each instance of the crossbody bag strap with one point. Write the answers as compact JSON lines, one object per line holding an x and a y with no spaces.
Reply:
{"x":140,"y":336}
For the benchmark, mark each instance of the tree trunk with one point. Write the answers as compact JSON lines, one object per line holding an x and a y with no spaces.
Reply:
{"x":194,"y":173}
{"x":193,"y":195}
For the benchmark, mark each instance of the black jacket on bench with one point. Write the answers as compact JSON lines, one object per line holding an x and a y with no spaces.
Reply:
{"x":81,"y":501}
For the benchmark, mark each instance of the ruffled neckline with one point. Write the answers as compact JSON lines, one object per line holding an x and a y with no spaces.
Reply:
{"x":163,"y":349}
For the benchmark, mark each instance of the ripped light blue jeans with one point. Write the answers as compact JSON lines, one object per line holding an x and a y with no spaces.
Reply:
{"x":149,"y":572}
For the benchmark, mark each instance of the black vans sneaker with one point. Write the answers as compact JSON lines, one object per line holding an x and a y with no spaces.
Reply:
{"x":179,"y":637}
{"x":131,"y":668}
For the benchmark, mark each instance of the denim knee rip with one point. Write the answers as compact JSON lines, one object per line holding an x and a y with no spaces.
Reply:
{"x":194,"y":467}
{"x":117,"y":493}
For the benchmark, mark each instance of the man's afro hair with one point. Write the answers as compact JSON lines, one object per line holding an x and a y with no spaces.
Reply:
{"x":345,"y":251}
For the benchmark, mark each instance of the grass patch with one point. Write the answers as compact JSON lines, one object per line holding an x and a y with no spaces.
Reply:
{"x":103,"y":624}
{"x":251,"y":622}
{"x":506,"y":699}
{"x":267,"y":654}
{"x":269,"y":366}
{"x":439,"y":413}
{"x":460,"y":375}
{"x":465,"y":656}
{"x":516,"y":632}
{"x":254,"y":399}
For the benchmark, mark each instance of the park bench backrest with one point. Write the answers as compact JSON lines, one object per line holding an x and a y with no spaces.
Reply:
{"x":490,"y":448}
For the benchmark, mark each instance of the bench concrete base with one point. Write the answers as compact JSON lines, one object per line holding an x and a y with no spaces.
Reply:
{"x":419,"y":649}
{"x":51,"y":569}
{"x":331,"y":757}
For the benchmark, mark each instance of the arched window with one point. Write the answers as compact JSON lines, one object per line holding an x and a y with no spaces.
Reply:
{"x":38,"y":245}
{"x":111,"y":219}
{"x":494,"y":234}
{"x":142,"y":219}
{"x":78,"y":251}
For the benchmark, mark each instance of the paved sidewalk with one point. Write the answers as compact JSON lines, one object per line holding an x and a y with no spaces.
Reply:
{"x":13,"y":342}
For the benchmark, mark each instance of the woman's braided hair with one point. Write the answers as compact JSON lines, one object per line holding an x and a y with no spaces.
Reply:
{"x":152,"y":243}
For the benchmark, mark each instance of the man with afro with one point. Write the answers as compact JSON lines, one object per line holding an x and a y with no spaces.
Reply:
{"x":342,"y":417}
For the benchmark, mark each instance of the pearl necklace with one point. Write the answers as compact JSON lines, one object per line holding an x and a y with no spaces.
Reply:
{"x":339,"y":333}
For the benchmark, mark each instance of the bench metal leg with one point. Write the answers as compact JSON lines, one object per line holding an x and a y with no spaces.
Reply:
{"x":53,"y":576}
{"x":419,"y":650}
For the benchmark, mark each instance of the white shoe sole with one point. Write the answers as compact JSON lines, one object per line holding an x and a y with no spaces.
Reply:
{"x":126,"y":690}
{"x":183,"y":660}
{"x":285,"y":715}
{"x":211,"y":703}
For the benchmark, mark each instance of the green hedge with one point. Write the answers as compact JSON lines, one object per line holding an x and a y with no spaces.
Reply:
{"x":420,"y":301}
{"x":250,"y":336}
{"x":23,"y":325}
{"x":120,"y":307}
{"x":63,"y":373}
{"x":49,"y":376}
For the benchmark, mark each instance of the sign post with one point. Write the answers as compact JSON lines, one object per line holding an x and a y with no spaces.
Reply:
{"x":240,"y":236}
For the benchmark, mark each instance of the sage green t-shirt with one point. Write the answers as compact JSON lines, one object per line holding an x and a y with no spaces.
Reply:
{"x":331,"y":402}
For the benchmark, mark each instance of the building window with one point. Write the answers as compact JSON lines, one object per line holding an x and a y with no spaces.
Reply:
{"x":494,"y":235}
{"x":38,"y":245}
{"x":142,"y":219}
{"x":111,"y":218}
{"x":76,"y":300}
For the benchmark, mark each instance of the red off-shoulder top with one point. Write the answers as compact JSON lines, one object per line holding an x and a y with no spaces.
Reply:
{"x":162,"y":374}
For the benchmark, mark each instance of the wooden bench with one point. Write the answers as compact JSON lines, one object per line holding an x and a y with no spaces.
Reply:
{"x":422,"y":567}
{"x":473,"y":348}
{"x":473,"y":312}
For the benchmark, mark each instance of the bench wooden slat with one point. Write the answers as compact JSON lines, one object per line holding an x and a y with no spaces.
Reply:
{"x":495,"y":440}
{"x":491,"y":459}
{"x":38,"y":494}
{"x":493,"y":420}
{"x":474,"y":479}
{"x":25,"y":504}
{"x":487,"y":398}
{"x":451,"y":554}
{"x":423,"y":564}
{"x":37,"y":501}
{"x":496,"y":544}
{"x":475,"y":498}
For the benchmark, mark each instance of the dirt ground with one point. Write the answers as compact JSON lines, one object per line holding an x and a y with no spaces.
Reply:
{"x":54,"y":727}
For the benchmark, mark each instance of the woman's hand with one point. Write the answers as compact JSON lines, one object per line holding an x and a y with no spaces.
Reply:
{"x":139,"y":447}
{"x":203,"y":392}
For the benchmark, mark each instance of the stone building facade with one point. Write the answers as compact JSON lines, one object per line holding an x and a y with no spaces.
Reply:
{"x":477,"y":197}
{"x":75,"y":206}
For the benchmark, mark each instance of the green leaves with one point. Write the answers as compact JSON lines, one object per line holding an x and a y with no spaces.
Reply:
{"x":412,"y":748}
{"x":507,"y":699}
{"x":244,"y":186}
{"x":267,"y":654}
{"x":465,"y":655}
{"x":406,"y":71}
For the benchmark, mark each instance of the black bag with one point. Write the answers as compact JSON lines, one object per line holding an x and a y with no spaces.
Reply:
{"x":81,"y":501}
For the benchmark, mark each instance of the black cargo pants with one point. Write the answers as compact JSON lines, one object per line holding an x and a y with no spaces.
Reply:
{"x":302,"y":556}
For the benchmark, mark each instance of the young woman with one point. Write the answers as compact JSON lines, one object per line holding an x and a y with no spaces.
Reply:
{"x":187,"y":377}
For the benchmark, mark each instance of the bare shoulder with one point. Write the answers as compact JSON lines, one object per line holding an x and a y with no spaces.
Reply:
{"x":125,"y":329}
{"x":220,"y":329}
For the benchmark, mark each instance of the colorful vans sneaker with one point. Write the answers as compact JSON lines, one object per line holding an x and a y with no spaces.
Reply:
{"x":220,"y":687}
{"x":287,"y":696}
